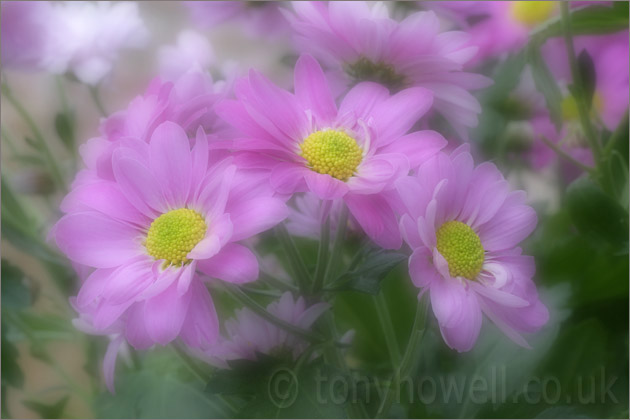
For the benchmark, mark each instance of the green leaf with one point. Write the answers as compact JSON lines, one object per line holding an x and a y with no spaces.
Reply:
{"x":65,"y":130}
{"x":596,"y":214}
{"x":596,"y":19}
{"x":11,"y":372}
{"x":618,"y":172}
{"x":48,"y":411}
{"x":546,"y":84}
{"x":15,"y":294}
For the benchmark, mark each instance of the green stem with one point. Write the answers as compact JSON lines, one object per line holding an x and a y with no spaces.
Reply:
{"x":388,"y":328}
{"x":412,"y":354}
{"x":298,"y":267}
{"x":96,"y":97}
{"x":52,"y":163}
{"x":583,"y":111}
{"x":276,"y":282}
{"x":337,"y":249}
{"x":322,"y":256}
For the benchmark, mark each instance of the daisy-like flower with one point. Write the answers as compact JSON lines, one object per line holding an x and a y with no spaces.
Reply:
{"x":363,"y":43}
{"x":464,"y":226}
{"x":166,"y":214}
{"x":354,"y":152}
{"x":191,"y":50}
{"x":249,"y":334}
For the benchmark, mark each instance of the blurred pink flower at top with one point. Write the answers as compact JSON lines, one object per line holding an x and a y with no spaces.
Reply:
{"x":80,"y":37}
{"x":167,"y":214}
{"x":361,"y":43}
{"x":496,"y":27}
{"x":249,"y":334}
{"x":24,"y":34}
{"x":191,"y":50}
{"x":464,"y":225}
{"x":188,"y":101}
{"x":353,"y":152}
{"x":258,"y":17}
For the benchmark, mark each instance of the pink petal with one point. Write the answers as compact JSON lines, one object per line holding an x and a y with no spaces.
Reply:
{"x":96,"y":240}
{"x":377,"y":219}
{"x":201,"y":327}
{"x":287,"y":178}
{"x":325,"y":186}
{"x":362,"y":99}
{"x":234,"y":264}
{"x":255,"y":216}
{"x":395,"y":116}
{"x":109,"y":362}
{"x":138,"y":185}
{"x":171,"y":162}
{"x":164,"y":314}
{"x":512,"y":223}
{"x":312,"y":90}
{"x":421,"y":269}
{"x":417,"y":147}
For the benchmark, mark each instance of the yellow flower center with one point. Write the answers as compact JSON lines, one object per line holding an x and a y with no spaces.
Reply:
{"x":174,"y":234}
{"x":461,"y":248}
{"x":570,"y":109}
{"x":332,"y":152}
{"x":532,"y":13}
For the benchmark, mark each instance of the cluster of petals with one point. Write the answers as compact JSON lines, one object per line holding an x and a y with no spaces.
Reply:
{"x":446,"y":189}
{"x":274,"y":122}
{"x":347,"y":35}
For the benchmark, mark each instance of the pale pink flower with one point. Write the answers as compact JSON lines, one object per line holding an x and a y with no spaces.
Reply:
{"x":464,"y":226}
{"x":353,"y":152}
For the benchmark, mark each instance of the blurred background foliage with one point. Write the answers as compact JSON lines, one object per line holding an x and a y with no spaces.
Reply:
{"x":51,"y":370}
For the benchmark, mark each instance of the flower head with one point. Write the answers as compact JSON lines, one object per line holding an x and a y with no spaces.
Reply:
{"x":168,"y":212}
{"x":464,"y":226}
{"x":353,"y":152}
{"x":365,"y":44}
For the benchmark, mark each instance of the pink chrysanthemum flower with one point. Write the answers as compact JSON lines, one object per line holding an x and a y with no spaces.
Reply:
{"x":166,"y":214}
{"x":364,"y":43}
{"x":464,"y":226}
{"x":249,"y":334}
{"x":352,"y":152}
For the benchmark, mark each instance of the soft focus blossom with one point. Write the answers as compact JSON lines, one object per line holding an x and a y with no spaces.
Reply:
{"x":188,"y":101}
{"x":496,"y":27}
{"x":354,"y":152}
{"x":166,"y":214}
{"x":249,"y":334}
{"x":261,"y":18}
{"x":364,"y":43}
{"x":25,"y":34}
{"x":191,"y":50}
{"x":464,"y":226}
{"x":80,"y":37}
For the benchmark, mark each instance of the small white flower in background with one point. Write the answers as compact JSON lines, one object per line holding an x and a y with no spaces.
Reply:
{"x":90,"y":36}
{"x":192,"y":49}
{"x":73,"y":36}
